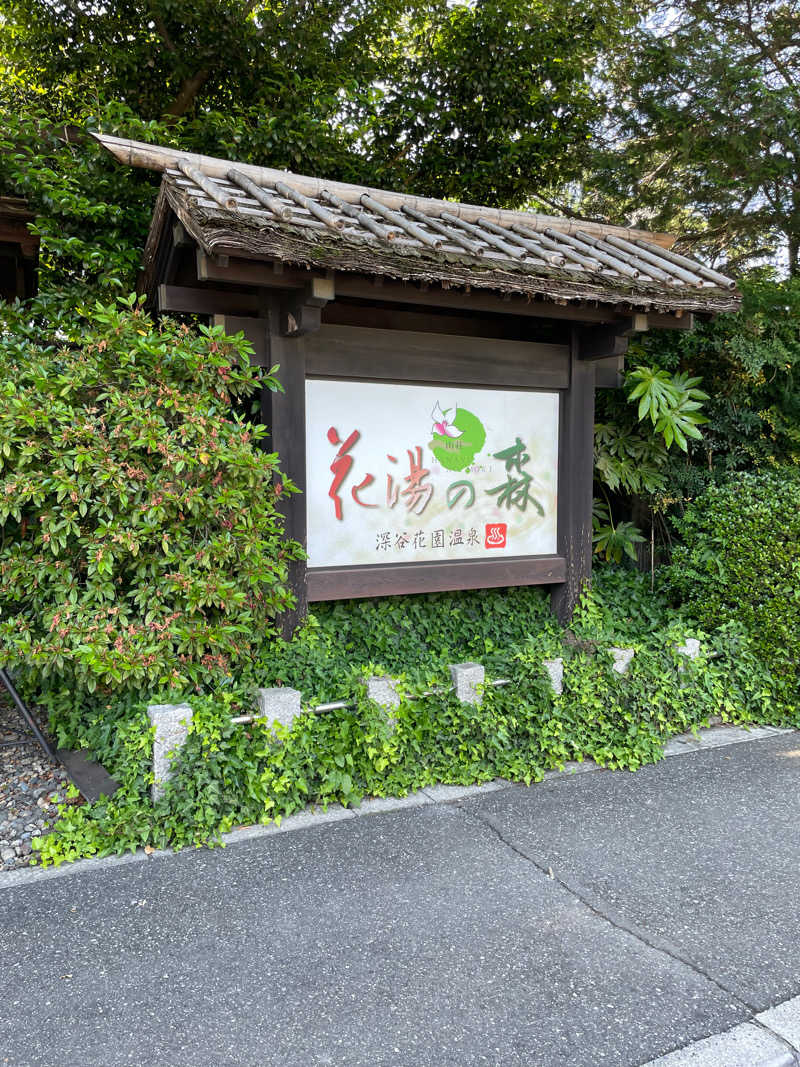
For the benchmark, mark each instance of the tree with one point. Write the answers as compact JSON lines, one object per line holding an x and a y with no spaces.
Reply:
{"x":485,"y":100}
{"x":253,"y":79}
{"x":704,"y":135}
{"x":495,"y":102}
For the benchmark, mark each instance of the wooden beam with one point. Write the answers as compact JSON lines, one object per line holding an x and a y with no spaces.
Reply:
{"x":262,"y":274}
{"x":16,"y":233}
{"x":606,"y":342}
{"x":359,"y":352}
{"x":285,"y":415}
{"x":681,"y":320}
{"x":180,"y":238}
{"x":440,"y":320}
{"x":301,"y":311}
{"x":197,"y":301}
{"x":338,"y":583}
{"x":474,"y":300}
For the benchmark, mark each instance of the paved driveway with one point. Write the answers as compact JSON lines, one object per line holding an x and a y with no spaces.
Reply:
{"x":599,"y":918}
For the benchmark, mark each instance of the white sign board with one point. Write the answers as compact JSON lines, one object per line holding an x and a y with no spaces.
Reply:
{"x":418,"y":473}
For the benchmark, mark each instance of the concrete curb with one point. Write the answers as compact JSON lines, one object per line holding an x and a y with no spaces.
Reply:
{"x":769,"y":1040}
{"x":684,"y":744}
{"x":784,"y":1020}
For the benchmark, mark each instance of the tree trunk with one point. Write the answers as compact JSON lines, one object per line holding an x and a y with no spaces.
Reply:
{"x":794,"y":256}
{"x":186,"y":97}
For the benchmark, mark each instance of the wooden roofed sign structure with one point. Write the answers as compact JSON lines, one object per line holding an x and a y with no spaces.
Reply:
{"x":19,"y":250}
{"x":439,"y":362}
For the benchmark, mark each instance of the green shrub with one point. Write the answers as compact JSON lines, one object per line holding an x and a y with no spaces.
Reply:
{"x":141,"y":546}
{"x":740,"y":560}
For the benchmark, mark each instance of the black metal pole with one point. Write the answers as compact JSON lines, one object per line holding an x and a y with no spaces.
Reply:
{"x":22,"y":708}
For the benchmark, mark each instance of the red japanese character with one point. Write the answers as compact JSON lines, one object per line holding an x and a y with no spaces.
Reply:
{"x":368,"y":480}
{"x":417,"y":493}
{"x":341,"y":466}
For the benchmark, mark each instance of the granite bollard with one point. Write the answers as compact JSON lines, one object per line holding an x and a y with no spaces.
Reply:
{"x":171,"y":722}
{"x":383,"y":691}
{"x":279,"y":703}
{"x":468,"y":680}
{"x":555,"y":672}
{"x":690,"y":648}
{"x":622,"y":659}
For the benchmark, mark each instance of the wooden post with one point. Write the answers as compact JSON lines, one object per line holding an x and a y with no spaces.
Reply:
{"x":575,"y":467}
{"x":284,"y":414}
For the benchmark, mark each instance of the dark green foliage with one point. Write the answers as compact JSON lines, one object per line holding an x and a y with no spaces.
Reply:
{"x":740,"y":561}
{"x":141,"y":546}
{"x":494,"y":102}
{"x":414,"y":636}
{"x":488,"y":101}
{"x":655,"y":410}
{"x":702,"y":139}
{"x":92,"y":215}
{"x":251,"y":80}
{"x":750,"y":364}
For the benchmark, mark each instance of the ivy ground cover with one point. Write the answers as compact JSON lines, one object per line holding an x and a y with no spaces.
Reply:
{"x":229,"y":774}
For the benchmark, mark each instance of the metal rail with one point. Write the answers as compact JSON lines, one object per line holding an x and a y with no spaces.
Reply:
{"x":24,"y":711}
{"x":342,"y":705}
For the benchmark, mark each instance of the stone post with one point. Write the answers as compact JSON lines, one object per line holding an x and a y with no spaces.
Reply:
{"x":555,"y":671}
{"x":384,"y":692}
{"x":171,"y":722}
{"x":690,"y":648}
{"x":279,"y":703}
{"x":622,"y":659}
{"x":467,"y":678}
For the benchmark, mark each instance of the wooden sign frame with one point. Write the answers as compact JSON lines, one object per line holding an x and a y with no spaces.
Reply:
{"x":371,"y":353}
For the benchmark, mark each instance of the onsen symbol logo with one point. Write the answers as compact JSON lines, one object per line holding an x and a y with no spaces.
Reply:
{"x":495,"y":535}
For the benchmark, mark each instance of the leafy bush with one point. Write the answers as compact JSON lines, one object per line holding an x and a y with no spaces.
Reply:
{"x":749,"y":362}
{"x":630,"y":457}
{"x":741,"y":560}
{"x":141,"y":545}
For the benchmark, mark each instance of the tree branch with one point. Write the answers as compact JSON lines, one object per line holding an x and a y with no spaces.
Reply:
{"x":163,"y":33}
{"x":567,"y":212}
{"x":767,"y":52}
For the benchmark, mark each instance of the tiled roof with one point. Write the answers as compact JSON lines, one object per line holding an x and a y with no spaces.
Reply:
{"x":254,"y":211}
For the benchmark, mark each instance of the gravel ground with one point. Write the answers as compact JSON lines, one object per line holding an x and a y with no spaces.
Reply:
{"x":30,"y":788}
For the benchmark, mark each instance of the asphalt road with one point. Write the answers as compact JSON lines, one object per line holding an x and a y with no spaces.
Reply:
{"x":601,"y":918}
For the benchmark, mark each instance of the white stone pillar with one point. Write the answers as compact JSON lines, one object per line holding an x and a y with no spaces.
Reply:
{"x":171,"y":722}
{"x":468,"y":678}
{"x":622,"y":659}
{"x":280,"y":704}
{"x":384,"y":692}
{"x":555,"y":672}
{"x":690,"y":648}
